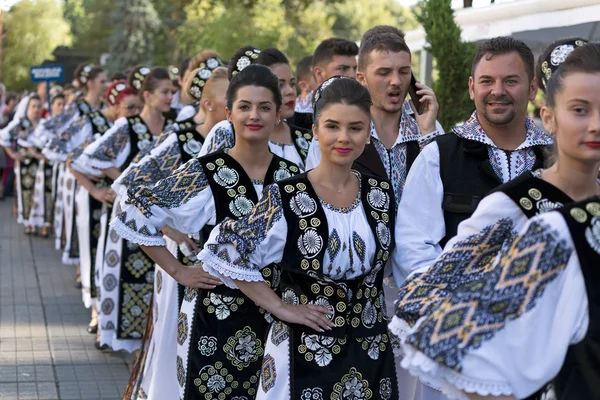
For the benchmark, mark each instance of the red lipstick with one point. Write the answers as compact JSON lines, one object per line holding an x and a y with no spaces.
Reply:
{"x":254,"y":127}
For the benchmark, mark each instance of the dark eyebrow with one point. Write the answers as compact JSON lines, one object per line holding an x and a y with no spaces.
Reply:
{"x":249,"y":102}
{"x":578,"y":101}
{"x":505,"y":77}
{"x":332,"y":121}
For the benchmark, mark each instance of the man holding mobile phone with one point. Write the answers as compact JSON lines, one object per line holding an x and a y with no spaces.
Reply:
{"x":384,"y":67}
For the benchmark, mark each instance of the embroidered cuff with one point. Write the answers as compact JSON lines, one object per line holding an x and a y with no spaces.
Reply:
{"x":430,"y":137}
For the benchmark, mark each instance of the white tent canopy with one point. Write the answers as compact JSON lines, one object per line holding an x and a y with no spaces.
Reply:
{"x":537,"y":22}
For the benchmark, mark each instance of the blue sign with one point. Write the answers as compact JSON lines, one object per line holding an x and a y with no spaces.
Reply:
{"x":48,"y":73}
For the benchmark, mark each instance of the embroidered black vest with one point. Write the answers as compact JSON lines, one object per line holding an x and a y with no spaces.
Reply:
{"x":301,"y":139}
{"x":579,"y":377}
{"x":534,"y":195}
{"x":189,"y":140}
{"x":24,"y":127}
{"x":83,"y":107}
{"x":467,"y":176}
{"x":234,"y":193}
{"x":358,"y":304}
{"x":140,"y":138}
{"x":99,"y":123}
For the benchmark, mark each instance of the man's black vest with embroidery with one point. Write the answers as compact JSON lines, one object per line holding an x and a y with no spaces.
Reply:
{"x":358,"y":304}
{"x":467,"y":176}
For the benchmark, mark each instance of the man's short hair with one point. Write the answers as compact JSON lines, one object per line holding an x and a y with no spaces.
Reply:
{"x":381,"y":42}
{"x":505,"y":45}
{"x":380,"y":29}
{"x":331,"y":47}
{"x":304,"y":68}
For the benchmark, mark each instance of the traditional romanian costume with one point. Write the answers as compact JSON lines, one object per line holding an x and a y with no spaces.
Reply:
{"x":529,"y":320}
{"x":331,"y":257}
{"x":127,"y":274}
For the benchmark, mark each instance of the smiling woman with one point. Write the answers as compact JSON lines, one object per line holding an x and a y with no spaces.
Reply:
{"x":330,"y":229}
{"x":220,"y":332}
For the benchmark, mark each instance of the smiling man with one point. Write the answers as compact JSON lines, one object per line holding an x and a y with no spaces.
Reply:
{"x":497,"y":144}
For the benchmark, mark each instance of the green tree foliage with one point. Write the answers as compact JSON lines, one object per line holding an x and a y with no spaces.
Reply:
{"x":453,"y":58}
{"x":91,"y":26}
{"x":135,"y":23}
{"x":33,"y":29}
{"x":294,"y":26}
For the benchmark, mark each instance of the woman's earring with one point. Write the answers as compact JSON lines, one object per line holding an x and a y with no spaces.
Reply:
{"x":277,"y":123}
{"x":210,"y":109}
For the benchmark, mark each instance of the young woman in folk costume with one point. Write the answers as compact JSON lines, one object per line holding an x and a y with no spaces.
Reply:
{"x":200,"y":194}
{"x":65,"y":183}
{"x":499,"y":215}
{"x":91,"y":193}
{"x":331,"y":231}
{"x":16,"y":142}
{"x":534,"y":298}
{"x":288,"y":141}
{"x":181,"y":145}
{"x":127,"y":273}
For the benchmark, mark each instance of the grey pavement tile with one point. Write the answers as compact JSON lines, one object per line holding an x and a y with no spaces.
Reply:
{"x":47,"y":391}
{"x":28,"y":391}
{"x":8,"y":373}
{"x":9,"y":391}
{"x":26,"y":373}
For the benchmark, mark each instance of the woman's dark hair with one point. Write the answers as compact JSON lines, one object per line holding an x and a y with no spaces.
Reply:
{"x":272,"y":56}
{"x":33,"y":97}
{"x":254,"y":75}
{"x":86,"y":72}
{"x":249,"y":54}
{"x":585,"y":59}
{"x":153,"y":79}
{"x":118,"y":76}
{"x":56,"y":97}
{"x":341,"y":90}
{"x":93,"y":74}
{"x":548,"y":62}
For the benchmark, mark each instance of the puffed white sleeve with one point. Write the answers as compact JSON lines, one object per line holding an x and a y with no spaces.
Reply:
{"x":59,"y":147}
{"x":9,"y":134}
{"x":220,"y":137}
{"x":508,"y":331}
{"x":110,"y":150}
{"x":158,"y":164}
{"x":182,"y":201}
{"x":420,"y":219}
{"x":239,"y":249}
{"x":314,"y":155}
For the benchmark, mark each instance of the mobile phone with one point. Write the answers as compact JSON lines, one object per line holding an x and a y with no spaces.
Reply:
{"x":416,"y":99}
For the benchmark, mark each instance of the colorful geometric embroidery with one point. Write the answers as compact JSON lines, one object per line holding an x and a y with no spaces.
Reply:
{"x":247,"y":232}
{"x":160,"y":166}
{"x":462,"y":265}
{"x":174,"y":191}
{"x":112,"y":145}
{"x":268,"y":374}
{"x":182,"y":328}
{"x":476,"y":311}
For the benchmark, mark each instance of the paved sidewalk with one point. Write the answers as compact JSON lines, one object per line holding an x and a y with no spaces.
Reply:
{"x":45,"y":350}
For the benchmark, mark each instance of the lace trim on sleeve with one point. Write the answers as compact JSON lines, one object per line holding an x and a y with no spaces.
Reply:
{"x":228,"y":272}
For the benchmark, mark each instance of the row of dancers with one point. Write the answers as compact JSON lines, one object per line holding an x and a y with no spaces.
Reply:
{"x":255,"y":245}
